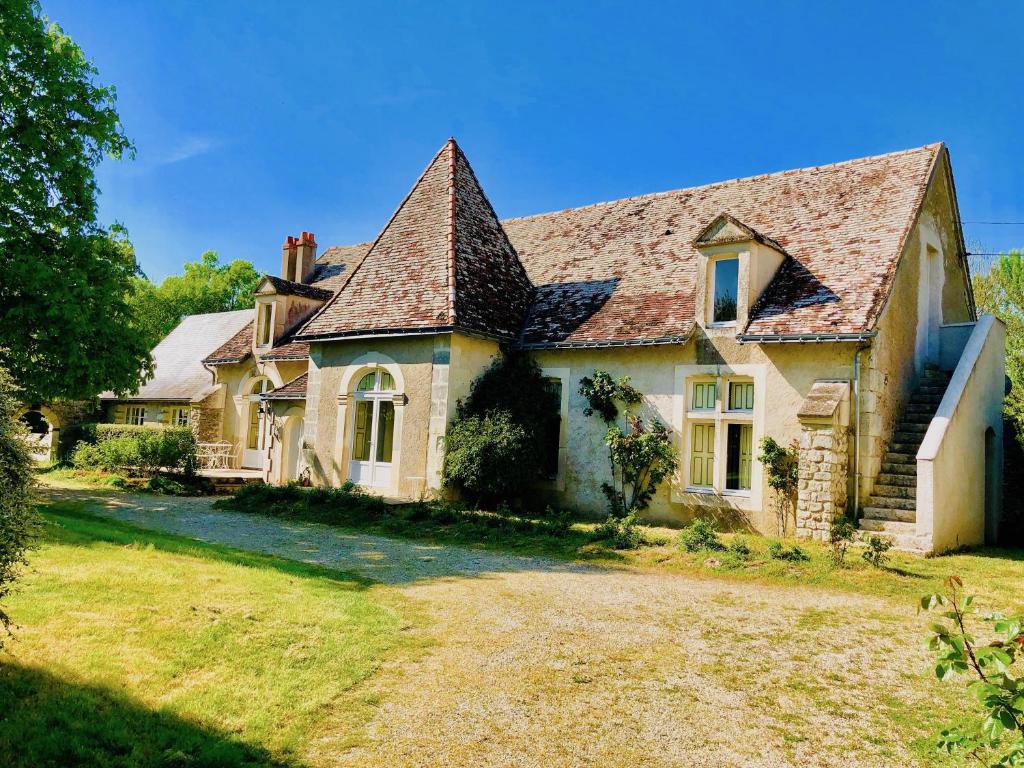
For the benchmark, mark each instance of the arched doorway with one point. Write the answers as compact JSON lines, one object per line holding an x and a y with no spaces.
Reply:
{"x":291,"y":445}
{"x":373,"y":433}
{"x":255,"y":421}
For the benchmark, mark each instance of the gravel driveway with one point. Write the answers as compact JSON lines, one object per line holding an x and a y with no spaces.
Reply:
{"x":537,"y":663}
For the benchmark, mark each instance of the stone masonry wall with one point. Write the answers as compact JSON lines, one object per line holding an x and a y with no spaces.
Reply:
{"x":823,"y":467}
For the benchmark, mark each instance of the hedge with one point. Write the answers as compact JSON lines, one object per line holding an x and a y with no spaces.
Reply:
{"x":133,"y":447}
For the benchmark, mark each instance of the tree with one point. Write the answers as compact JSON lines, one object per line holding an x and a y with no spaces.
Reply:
{"x":206,"y":286}
{"x":18,"y":522}
{"x":64,"y":316}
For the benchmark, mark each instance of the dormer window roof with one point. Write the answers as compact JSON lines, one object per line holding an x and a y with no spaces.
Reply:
{"x":726,"y":230}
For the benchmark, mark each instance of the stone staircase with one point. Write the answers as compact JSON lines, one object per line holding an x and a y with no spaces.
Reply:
{"x":891,"y":510}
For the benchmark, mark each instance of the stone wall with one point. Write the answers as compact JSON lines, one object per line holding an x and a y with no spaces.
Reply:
{"x":823,"y":467}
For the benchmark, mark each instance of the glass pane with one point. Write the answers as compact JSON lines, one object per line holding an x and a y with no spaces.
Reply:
{"x":366,"y":383}
{"x":387,"y":382}
{"x":704,"y":393}
{"x":385,"y":431}
{"x":363,"y":431}
{"x":727,"y":272}
{"x":552,"y":434}
{"x":738,"y":457}
{"x":702,"y":455}
{"x":253,"y":438}
{"x":741,"y":396}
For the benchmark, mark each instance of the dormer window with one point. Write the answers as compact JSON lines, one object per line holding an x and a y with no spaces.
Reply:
{"x":726,"y":290}
{"x":265,"y":326}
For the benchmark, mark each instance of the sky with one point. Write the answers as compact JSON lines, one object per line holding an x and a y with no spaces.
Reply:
{"x":255,"y":120}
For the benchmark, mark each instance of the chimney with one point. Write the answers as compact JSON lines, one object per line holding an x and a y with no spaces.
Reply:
{"x":305,"y":257}
{"x":288,"y":253}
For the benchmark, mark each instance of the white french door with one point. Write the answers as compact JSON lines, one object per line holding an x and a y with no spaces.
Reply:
{"x":373,"y":430}
{"x":255,"y":434}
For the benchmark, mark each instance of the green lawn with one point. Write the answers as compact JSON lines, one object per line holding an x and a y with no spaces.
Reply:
{"x":137,"y":648}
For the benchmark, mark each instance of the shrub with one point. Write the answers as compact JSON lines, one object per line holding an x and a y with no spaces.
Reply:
{"x":840,"y":536}
{"x":877,"y":552}
{"x":513,"y":408}
{"x":484,"y":457}
{"x":18,"y":519}
{"x":620,"y":532}
{"x":998,"y":739}
{"x":793,"y":554}
{"x":135,"y":448}
{"x":781,"y":469}
{"x":739,"y":549}
{"x":699,"y":536}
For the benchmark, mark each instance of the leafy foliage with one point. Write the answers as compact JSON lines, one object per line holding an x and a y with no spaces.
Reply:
{"x":781,"y":467}
{"x":791,"y":554}
{"x":998,"y":740}
{"x":137,"y":449}
{"x":620,"y":532}
{"x":206,"y":286}
{"x":641,"y":457}
{"x":701,"y":535}
{"x":18,"y":521}
{"x":840,"y":536}
{"x":64,"y":316}
{"x":603,"y":392}
{"x":739,"y":548}
{"x":484,"y":457}
{"x":877,"y":551}
{"x":503,"y":433}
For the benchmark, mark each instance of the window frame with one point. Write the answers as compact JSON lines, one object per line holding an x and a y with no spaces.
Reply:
{"x":563,"y":376}
{"x":135,"y":415}
{"x":722,"y":418}
{"x":265,"y":324}
{"x":712,"y":283}
{"x":179,"y":417}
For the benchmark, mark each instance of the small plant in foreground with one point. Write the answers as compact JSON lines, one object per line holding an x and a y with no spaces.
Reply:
{"x":998,"y":740}
{"x":739,"y":549}
{"x":781,"y":469}
{"x":793,"y":554}
{"x":620,"y":532}
{"x":699,"y":536}
{"x":840,"y":536}
{"x":877,"y":552}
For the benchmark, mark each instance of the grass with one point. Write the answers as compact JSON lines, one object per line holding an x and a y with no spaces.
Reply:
{"x":138,"y":648}
{"x":61,"y":475}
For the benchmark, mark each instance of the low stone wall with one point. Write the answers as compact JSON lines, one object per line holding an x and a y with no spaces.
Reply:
{"x":823,"y":469}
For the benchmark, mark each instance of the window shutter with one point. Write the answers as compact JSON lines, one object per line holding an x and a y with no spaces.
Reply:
{"x":165,"y":415}
{"x":746,"y":454}
{"x":702,"y":455}
{"x":120,"y":414}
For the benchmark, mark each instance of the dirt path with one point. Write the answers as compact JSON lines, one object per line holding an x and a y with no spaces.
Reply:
{"x":536,"y":663}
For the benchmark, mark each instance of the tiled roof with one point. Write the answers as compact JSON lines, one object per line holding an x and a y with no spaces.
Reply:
{"x":441,"y":262}
{"x":293,"y":390}
{"x":290,"y":288}
{"x":625,"y":271}
{"x":180,"y":374}
{"x":235,"y":349}
{"x":335,"y":264}
{"x":286,"y":348}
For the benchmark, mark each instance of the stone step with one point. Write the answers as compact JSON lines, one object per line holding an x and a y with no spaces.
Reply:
{"x":889,"y":502}
{"x":922,"y":408}
{"x":928,"y":392}
{"x":914,"y":427}
{"x":902,"y":535}
{"x":886,"y":514}
{"x":917,"y":417}
{"x":893,"y":491}
{"x":907,"y":479}
{"x":895,"y":457}
{"x":908,"y":438}
{"x":904,"y":448}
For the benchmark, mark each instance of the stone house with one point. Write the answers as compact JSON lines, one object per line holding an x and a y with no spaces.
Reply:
{"x":829,"y":307}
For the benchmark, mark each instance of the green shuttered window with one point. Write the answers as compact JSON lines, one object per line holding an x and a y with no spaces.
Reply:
{"x":704,"y":393}
{"x":741,"y":395}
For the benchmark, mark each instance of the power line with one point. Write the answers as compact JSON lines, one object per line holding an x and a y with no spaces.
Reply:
{"x":1002,"y":223}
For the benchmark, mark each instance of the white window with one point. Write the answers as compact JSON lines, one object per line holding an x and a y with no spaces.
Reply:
{"x":179,"y":417}
{"x":725,"y":290}
{"x":720,"y":434}
{"x":136,"y":414}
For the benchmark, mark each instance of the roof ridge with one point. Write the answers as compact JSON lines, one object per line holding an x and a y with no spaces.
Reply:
{"x":450,"y":235}
{"x":755,"y":177}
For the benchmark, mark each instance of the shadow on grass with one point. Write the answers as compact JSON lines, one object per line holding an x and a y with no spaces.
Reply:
{"x":48,"y":721}
{"x":69,"y":525}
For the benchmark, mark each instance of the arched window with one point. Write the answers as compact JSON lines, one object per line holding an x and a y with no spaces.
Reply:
{"x":373,"y":435}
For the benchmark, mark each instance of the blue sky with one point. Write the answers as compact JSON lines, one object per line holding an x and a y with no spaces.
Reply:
{"x":254,"y":120}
